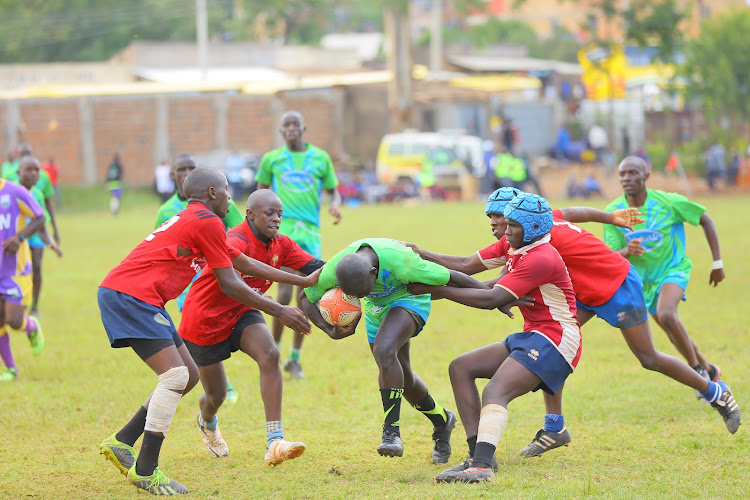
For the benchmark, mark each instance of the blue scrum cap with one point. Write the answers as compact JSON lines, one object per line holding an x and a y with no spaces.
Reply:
{"x":532,"y":212}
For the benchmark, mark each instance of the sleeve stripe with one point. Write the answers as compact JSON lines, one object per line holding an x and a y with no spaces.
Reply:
{"x":508,"y":289}
{"x":237,"y":234}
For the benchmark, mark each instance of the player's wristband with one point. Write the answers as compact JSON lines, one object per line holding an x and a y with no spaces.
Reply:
{"x":718,"y":264}
{"x":21,"y":237}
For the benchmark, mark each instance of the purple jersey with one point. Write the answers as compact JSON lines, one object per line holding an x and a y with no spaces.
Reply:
{"x":16,"y":203}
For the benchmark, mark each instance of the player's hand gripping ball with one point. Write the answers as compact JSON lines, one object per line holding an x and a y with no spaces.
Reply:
{"x":338,"y":308}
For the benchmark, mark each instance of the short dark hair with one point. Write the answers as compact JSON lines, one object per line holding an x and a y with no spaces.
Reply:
{"x":353,"y":274}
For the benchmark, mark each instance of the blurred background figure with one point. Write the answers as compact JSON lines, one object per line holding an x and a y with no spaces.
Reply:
{"x":53,"y":170}
{"x":234,"y":165}
{"x":164,"y":182}
{"x":114,"y":184}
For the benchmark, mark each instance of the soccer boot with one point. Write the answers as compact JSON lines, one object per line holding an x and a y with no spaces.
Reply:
{"x":294,"y":368}
{"x":281,"y":450}
{"x":728,"y":408}
{"x":441,"y":436}
{"x":157,"y":483}
{"x":470,"y":475}
{"x":466,"y":464}
{"x":121,"y":454}
{"x":545,"y":441}
{"x":36,"y":340}
{"x":9,"y":375}
{"x":391,"y":445}
{"x":232,"y":395}
{"x":215,"y":444}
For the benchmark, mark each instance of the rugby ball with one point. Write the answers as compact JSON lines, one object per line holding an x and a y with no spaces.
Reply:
{"x":338,"y":308}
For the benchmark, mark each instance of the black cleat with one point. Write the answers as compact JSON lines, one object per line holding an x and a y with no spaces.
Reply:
{"x":391,"y":446}
{"x":441,"y":451}
{"x":470,"y":475}
{"x":545,"y":441}
{"x":728,"y":409}
{"x":466,"y":464}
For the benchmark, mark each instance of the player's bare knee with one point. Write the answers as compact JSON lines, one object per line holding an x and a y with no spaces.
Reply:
{"x":668,"y":320}
{"x":384,"y":354}
{"x":269,"y":357}
{"x":285,"y":295}
{"x":649,"y":360}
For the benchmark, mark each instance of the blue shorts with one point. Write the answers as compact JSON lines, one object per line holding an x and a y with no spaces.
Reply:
{"x":417,"y":305}
{"x":35,"y":241}
{"x":627,"y":307}
{"x":536,"y":352}
{"x":652,"y":291}
{"x":125,"y":317}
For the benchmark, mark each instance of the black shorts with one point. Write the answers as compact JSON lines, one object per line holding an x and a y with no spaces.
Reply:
{"x":205,"y":355}
{"x":145,"y":348}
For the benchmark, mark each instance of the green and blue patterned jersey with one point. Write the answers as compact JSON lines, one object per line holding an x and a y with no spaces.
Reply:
{"x":662,"y":234}
{"x":298,"y":179}
{"x":398,"y":266}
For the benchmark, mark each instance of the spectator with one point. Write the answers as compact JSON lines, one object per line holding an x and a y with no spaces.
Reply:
{"x":164,"y":182}
{"x":715,"y":165}
{"x":598,"y":140}
{"x":53,"y":170}
{"x":234,"y":165}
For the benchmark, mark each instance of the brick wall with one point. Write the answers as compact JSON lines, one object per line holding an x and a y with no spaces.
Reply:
{"x":83,"y":133}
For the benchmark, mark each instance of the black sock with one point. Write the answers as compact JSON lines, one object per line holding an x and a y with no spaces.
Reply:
{"x":431,"y":410}
{"x":483,"y":455}
{"x":148,"y":458}
{"x":472,"y":441}
{"x":133,"y":429}
{"x":392,"y":408}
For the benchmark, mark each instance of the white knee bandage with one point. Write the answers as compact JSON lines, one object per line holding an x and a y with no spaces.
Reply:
{"x":492,"y":422}
{"x":165,"y":398}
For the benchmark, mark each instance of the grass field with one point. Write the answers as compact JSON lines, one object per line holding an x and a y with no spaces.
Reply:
{"x":636,"y":434}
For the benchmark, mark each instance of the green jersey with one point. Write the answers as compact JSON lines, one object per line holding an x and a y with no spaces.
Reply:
{"x":10,"y":170}
{"x":175,"y":205}
{"x":298,"y":179}
{"x":398,"y":267}
{"x":662,"y":235}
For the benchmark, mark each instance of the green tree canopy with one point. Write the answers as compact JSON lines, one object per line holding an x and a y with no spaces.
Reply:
{"x":717,"y":67}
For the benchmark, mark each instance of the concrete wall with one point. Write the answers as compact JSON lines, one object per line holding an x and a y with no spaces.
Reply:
{"x":83,"y":133}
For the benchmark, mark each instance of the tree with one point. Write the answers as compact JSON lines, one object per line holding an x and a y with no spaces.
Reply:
{"x":717,"y":67}
{"x":81,"y":30}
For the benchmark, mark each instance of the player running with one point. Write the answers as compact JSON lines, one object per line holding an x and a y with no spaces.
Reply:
{"x":183,"y":164}
{"x":132,"y":298}
{"x":540,"y":357}
{"x":379,"y":269}
{"x":16,"y":205}
{"x":213,"y":327}
{"x":297,"y":173}
{"x":657,"y":250}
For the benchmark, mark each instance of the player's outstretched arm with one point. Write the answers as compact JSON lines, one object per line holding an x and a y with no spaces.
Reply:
{"x":624,"y":217}
{"x":312,"y":312}
{"x":461,"y":280}
{"x":252,"y":267}
{"x":467,"y":265}
{"x":472,"y":297}
{"x":234,"y":287}
{"x":712,"y":236}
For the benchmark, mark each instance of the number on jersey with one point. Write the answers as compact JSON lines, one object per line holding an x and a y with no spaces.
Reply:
{"x":163,"y":227}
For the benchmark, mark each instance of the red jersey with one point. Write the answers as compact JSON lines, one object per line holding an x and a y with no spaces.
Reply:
{"x":209,"y":316}
{"x":596,"y":271}
{"x":52,"y":169}
{"x":156,"y":273}
{"x":537,"y":270}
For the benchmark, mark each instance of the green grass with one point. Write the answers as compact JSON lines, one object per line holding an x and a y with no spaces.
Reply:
{"x":635,"y":433}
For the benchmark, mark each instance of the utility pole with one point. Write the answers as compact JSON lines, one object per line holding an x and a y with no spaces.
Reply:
{"x":201,"y":29}
{"x":396,"y":24}
{"x":436,"y":37}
